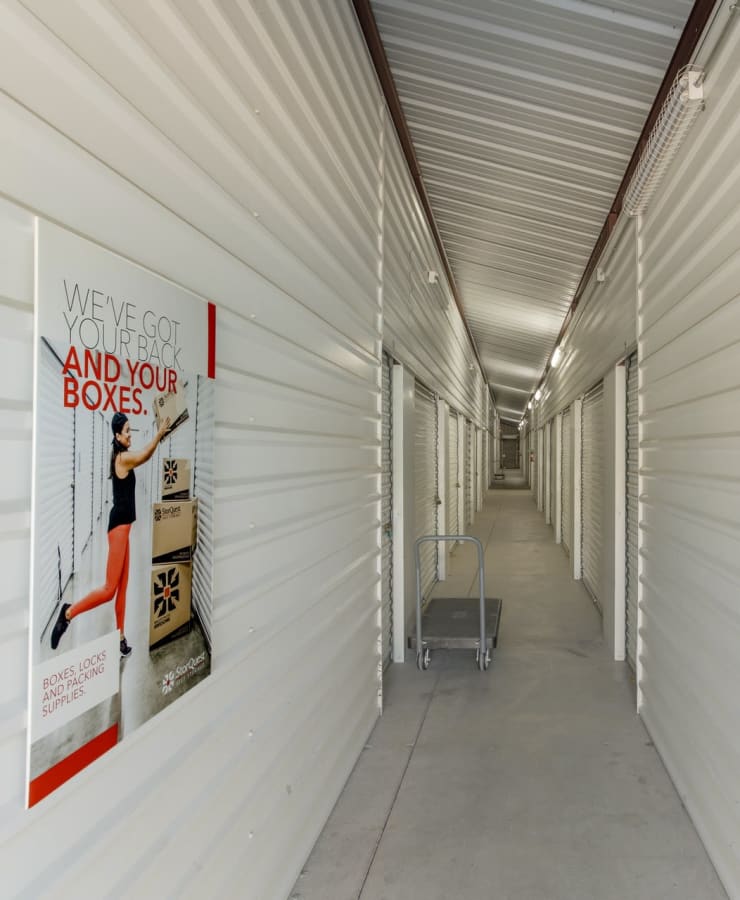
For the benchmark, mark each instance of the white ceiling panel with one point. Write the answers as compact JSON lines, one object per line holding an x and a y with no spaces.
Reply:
{"x":524,"y":115}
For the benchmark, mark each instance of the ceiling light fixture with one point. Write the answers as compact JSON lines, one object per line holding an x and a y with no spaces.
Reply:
{"x":537,"y":394}
{"x":683,"y":104}
{"x":529,"y":405}
{"x":557,"y":355}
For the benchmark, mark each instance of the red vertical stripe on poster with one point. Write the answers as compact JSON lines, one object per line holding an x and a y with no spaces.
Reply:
{"x":211,"y":340}
{"x":54,"y":777}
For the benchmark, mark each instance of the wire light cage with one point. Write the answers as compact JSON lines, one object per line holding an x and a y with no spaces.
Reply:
{"x":683,"y":104}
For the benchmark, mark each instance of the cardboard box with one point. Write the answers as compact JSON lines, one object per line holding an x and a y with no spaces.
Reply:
{"x":174,"y":530}
{"x":173,"y":404}
{"x":176,"y":479}
{"x":170,"y":606}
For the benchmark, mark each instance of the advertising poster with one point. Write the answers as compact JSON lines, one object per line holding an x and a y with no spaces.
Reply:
{"x":122,"y":502}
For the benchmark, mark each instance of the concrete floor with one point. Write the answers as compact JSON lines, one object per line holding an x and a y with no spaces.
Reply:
{"x":533,"y":781}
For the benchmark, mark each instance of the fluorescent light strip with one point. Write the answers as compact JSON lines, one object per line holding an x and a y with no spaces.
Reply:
{"x":683,"y":104}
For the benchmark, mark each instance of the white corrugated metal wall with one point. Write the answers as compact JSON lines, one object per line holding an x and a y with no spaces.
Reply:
{"x":592,"y":479}
{"x":689,"y":414}
{"x":422,"y":328}
{"x":566,"y":505}
{"x":631,"y":517}
{"x":259,"y":187}
{"x":604,"y":327}
{"x":386,"y":512}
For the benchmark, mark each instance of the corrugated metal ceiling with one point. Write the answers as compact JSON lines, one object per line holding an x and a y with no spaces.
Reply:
{"x":524,"y":115}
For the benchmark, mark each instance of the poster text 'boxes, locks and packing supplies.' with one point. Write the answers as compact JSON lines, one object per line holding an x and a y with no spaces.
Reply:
{"x":176,"y":479}
{"x":170,"y":601}
{"x":174,"y":530}
{"x":172,"y":405}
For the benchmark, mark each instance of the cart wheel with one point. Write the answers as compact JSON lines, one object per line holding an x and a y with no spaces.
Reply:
{"x":486,"y":660}
{"x":422,"y":659}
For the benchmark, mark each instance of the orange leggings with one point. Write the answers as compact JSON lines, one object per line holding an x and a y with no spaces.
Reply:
{"x":116,"y":578}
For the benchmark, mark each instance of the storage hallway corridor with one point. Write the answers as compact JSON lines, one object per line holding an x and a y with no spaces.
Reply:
{"x":411,"y":268}
{"x":535,"y":780}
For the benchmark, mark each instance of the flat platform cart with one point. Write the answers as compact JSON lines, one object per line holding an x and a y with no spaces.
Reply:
{"x":452,"y":623}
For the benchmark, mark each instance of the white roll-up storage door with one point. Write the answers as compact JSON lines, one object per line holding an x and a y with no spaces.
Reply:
{"x":478,"y":469}
{"x":97,"y":437}
{"x":101,"y":466}
{"x":469,"y":470}
{"x":592,"y":473}
{"x":453,"y":475}
{"x":203,"y":471}
{"x":553,"y":471}
{"x":631,"y":512}
{"x":535,"y":465}
{"x":425,"y":481}
{"x":486,"y":467}
{"x":386,"y":513}
{"x":55,"y":472}
{"x":545,"y":468}
{"x":566,"y":517}
{"x":84,"y":469}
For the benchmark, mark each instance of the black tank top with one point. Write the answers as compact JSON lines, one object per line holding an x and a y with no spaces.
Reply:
{"x":124,"y":500}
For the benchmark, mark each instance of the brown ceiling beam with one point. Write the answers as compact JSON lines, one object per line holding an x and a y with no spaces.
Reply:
{"x":687,"y":43}
{"x":374,"y":42}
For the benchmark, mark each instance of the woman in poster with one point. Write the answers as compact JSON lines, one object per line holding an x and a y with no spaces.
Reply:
{"x":123,"y":461}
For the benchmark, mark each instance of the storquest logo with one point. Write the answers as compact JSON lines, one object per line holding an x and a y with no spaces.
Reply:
{"x":188,"y":669}
{"x":168,"y":682}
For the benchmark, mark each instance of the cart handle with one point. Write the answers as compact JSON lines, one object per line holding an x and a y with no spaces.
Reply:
{"x":437,"y":538}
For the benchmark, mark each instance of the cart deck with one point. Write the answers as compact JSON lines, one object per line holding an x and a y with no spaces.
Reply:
{"x":451,"y":623}
{"x":448,"y":623}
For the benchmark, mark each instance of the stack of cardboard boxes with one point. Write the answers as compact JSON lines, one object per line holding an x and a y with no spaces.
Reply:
{"x":174,"y":537}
